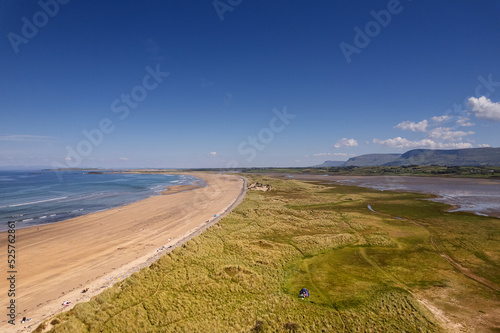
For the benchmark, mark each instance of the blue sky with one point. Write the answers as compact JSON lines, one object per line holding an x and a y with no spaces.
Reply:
{"x":244,"y":83}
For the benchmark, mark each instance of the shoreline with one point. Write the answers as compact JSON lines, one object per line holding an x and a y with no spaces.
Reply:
{"x":171,"y":189}
{"x":144,"y":231}
{"x":399,"y":265}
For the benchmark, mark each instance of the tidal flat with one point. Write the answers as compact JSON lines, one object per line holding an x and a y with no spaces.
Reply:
{"x":476,"y":195}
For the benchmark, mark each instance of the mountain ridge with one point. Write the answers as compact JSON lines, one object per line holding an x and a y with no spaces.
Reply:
{"x":447,"y":157}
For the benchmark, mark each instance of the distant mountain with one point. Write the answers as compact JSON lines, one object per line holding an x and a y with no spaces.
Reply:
{"x":330,"y":164}
{"x":371,"y":159}
{"x":452,"y":157}
{"x":362,"y":160}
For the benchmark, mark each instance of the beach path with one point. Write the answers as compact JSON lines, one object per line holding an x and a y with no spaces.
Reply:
{"x":55,"y":262}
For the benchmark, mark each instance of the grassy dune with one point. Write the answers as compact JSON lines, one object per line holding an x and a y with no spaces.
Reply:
{"x":366,"y":271}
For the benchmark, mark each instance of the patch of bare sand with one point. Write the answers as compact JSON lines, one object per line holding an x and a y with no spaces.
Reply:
{"x":259,"y":187}
{"x":456,"y":313}
{"x":56,"y":262}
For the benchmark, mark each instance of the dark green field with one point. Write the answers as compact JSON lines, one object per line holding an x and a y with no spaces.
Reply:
{"x":408,"y":267}
{"x":406,"y":170}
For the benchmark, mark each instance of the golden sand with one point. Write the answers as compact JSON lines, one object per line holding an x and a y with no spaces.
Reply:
{"x":55,"y":262}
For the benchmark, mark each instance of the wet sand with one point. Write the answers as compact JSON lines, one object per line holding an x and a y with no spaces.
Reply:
{"x":55,"y":262}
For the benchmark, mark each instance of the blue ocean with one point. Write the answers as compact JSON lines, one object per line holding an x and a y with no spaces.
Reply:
{"x":38,"y":197}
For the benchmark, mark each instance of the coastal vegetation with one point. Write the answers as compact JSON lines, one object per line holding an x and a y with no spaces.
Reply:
{"x":405,"y":170}
{"x":372,"y":261}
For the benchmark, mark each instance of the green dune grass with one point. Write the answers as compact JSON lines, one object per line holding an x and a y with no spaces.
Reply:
{"x":364,"y":270}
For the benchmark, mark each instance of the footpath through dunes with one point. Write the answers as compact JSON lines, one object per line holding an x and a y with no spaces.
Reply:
{"x":366,"y":271}
{"x":56,"y":262}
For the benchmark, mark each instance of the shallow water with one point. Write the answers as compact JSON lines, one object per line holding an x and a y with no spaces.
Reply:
{"x":34,"y":198}
{"x":480,"y":196}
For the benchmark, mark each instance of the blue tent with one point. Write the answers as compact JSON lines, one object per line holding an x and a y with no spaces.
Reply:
{"x":304,"y":292}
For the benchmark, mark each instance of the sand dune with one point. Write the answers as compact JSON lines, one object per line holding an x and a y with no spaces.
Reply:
{"x":56,"y":262}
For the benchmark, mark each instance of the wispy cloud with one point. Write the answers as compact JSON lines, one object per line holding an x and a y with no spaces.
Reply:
{"x":484,"y":108}
{"x":27,"y":138}
{"x":334,"y":154}
{"x":439,"y":119}
{"x":345,"y":142}
{"x":464,"y":121}
{"x":400,"y":142}
{"x":415,"y":127}
{"x":212,"y":153}
{"x":446,"y":134}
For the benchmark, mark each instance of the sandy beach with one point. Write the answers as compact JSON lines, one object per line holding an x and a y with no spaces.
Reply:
{"x":55,"y":262}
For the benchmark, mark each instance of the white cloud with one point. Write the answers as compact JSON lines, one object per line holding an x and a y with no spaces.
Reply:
{"x":464,"y":121}
{"x":484,"y":145}
{"x":344,"y":142}
{"x":22,"y":137}
{"x":446,"y":134}
{"x":437,"y":137}
{"x":334,"y":154}
{"x":400,"y":142}
{"x":415,"y":127}
{"x":124,"y":159}
{"x":441,"y":118}
{"x":212,"y":153}
{"x":484,"y":108}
